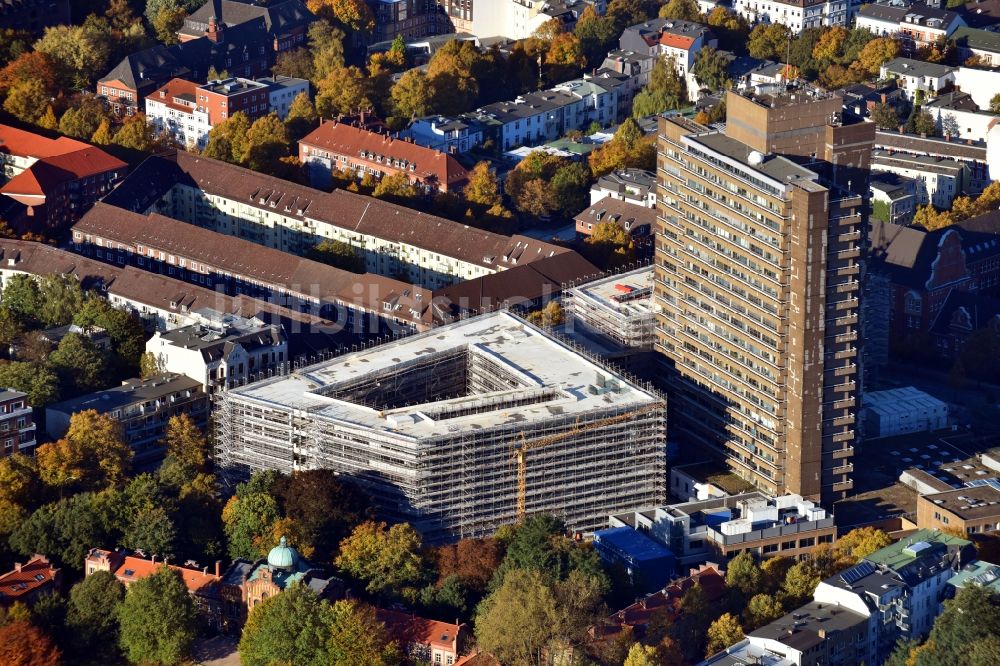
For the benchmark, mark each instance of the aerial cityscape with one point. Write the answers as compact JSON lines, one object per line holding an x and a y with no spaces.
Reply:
{"x":499,"y":333}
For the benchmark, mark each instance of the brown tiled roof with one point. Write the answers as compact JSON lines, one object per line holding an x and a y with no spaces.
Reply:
{"x":621,"y":212}
{"x":166,"y":93}
{"x":344,"y":139}
{"x":365,"y":215}
{"x":909,"y":143}
{"x":46,"y":173}
{"x":27,"y":578}
{"x":413,"y":629}
{"x":239,"y":257}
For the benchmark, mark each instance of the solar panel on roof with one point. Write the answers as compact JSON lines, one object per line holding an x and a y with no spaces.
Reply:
{"x":857,"y":572}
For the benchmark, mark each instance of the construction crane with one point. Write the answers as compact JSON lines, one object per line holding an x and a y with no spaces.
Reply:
{"x":520,"y":453}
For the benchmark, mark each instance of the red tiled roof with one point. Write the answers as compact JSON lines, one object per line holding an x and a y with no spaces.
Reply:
{"x":676,"y":41}
{"x":28,"y":144}
{"x":26,"y":578}
{"x":166,"y":94}
{"x":346,"y":139}
{"x":137,"y":568}
{"x":413,"y":629}
{"x":43,"y":175}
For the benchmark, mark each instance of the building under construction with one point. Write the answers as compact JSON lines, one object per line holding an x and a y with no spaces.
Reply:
{"x":461,"y":429}
{"x":617,"y":308}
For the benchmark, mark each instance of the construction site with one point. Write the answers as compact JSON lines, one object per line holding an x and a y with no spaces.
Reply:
{"x":617,"y":308}
{"x":461,"y":429}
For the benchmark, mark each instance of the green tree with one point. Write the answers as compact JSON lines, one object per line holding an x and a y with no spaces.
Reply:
{"x":684,"y":10}
{"x":301,"y":118}
{"x":79,"y":363}
{"x":596,"y":34}
{"x":356,"y":636}
{"x":21,"y":296}
{"x":799,"y":584}
{"x":292,"y":627}
{"x":995,"y":103}
{"x":81,"y":52}
{"x":762,"y":609}
{"x":387,"y":560}
{"x":326,"y":43}
{"x":83,"y":118}
{"x":38,"y":381}
{"x":710,"y":69}
{"x":157,"y":620}
{"x":92,"y":616}
{"x":743,"y":574}
{"x":337,"y":253}
{"x":267,"y":144}
{"x":411,"y":95}
{"x":247,"y":517}
{"x":885,"y":117}
{"x":128,"y":337}
{"x":768,"y":41}
{"x":516,"y":622}
{"x":923,"y":123}
{"x":665,"y":90}
{"x":297,"y":63}
{"x":136,"y":134}
{"x":27,"y":100}
{"x":722,"y":633}
{"x":228,"y":140}
{"x":570,"y":188}
{"x":65,"y":530}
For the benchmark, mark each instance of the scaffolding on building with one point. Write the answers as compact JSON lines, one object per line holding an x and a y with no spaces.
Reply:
{"x":466,"y":481}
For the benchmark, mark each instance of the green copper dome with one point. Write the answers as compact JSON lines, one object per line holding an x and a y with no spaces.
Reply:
{"x":282,"y":556}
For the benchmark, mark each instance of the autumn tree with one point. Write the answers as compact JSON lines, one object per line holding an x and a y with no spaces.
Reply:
{"x":92,"y":455}
{"x":324,"y":506}
{"x":768,"y":41}
{"x":267,"y":144}
{"x":344,"y":90}
{"x":136,"y":134}
{"x":103,"y":135}
{"x":228,"y":140}
{"x":356,"y":634}
{"x":396,"y":188}
{"x":627,"y":149}
{"x":609,"y":245}
{"x":799,"y":584}
{"x":453,"y":75}
{"x":337,"y":253}
{"x":762,"y":609}
{"x":684,"y":10}
{"x":386,"y":559}
{"x":27,"y":100}
{"x":23,"y":644}
{"x":158,"y":620}
{"x":859,"y":543}
{"x":411,"y":95}
{"x":548,"y":317}
{"x":931,"y":219}
{"x":81,"y":52}
{"x":874,"y":54}
{"x":352,"y":14}
{"x":722,"y":633}
{"x":516,"y":623}
{"x":83,"y":118}
{"x":922,"y":122}
{"x":995,"y":103}
{"x":596,"y":34}
{"x":326,"y":44}
{"x":302,"y":117}
{"x":743,"y":574}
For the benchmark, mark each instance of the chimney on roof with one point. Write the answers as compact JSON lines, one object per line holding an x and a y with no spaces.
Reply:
{"x":218,"y":564}
{"x":153,"y":558}
{"x":214,"y":32}
{"x":17,"y":567}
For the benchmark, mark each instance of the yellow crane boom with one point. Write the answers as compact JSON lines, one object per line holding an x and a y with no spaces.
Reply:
{"x":520,"y":454}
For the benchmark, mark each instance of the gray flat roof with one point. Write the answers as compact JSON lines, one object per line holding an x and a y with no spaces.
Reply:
{"x":130,"y":392}
{"x":777,"y":167}
{"x":553,"y":381}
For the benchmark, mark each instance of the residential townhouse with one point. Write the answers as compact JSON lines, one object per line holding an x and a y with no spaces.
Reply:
{"x":393,"y":240}
{"x":636,"y":221}
{"x":423,"y":640}
{"x":143,"y":407}
{"x":959,"y":117}
{"x":50,"y":183}
{"x":360,"y":152}
{"x":894,"y":197}
{"x":797,"y":15}
{"x":26,"y":583}
{"x":918,"y":78}
{"x":916,"y":26}
{"x":670,"y":38}
{"x":186,"y":112}
{"x":981,"y":44}
{"x":17,"y":427}
{"x":222,"y":355}
{"x":449,"y":135}
{"x":938,"y":181}
{"x":634,"y":186}
{"x":282,"y":91}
